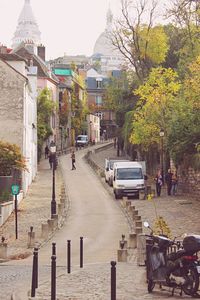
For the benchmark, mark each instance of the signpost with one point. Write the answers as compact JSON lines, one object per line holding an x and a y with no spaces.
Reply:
{"x":15,"y":192}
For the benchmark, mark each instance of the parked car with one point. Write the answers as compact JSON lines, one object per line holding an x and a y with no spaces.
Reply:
{"x":81,"y":140}
{"x":128,"y":179}
{"x":108,"y":171}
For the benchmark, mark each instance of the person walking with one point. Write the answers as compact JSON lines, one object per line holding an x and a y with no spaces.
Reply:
{"x":168,"y":179}
{"x":174,"y":183}
{"x":46,"y":152}
{"x":159,"y":181}
{"x":73,"y":160}
{"x":51,"y":161}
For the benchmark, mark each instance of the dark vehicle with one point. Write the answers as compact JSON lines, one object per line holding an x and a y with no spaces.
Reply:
{"x":81,"y":141}
{"x":175,"y":269}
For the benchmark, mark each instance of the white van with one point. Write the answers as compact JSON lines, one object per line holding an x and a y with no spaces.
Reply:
{"x":81,"y":140}
{"x":108,"y":171}
{"x":128,"y":179}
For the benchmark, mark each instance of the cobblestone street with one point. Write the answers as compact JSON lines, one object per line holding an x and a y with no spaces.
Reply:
{"x":182,"y":215}
{"x":93,"y":281}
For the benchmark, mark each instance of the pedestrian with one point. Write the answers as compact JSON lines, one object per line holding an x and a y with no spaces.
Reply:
{"x":115,"y":142}
{"x":73,"y":160}
{"x":174,"y":183}
{"x":168,"y":179}
{"x":46,"y":152}
{"x":159,"y":181}
{"x":51,"y":161}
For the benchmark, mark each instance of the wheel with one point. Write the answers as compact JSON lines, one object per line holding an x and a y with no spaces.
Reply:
{"x":191,"y":285}
{"x":151,"y":285}
{"x":117,"y":196}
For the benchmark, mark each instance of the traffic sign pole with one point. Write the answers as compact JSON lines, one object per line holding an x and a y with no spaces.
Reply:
{"x":16,"y":229}
{"x":15,"y":192}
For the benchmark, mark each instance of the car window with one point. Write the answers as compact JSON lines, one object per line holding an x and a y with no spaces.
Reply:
{"x":127,"y":173}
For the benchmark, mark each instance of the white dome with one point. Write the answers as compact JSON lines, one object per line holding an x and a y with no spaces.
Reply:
{"x":104,"y":45}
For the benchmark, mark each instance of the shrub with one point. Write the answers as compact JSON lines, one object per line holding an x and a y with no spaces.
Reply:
{"x":10,"y":158}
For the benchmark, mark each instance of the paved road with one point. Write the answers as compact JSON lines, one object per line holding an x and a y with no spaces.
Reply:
{"x":93,"y":214}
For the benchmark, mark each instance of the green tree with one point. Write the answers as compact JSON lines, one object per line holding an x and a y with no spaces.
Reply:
{"x":45,"y":108}
{"x":185,"y":15}
{"x":184,"y":135}
{"x":157,"y":99}
{"x":142,"y":45}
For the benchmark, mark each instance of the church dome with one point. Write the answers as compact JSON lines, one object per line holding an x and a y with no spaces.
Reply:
{"x":103,"y":45}
{"x":27,"y":28}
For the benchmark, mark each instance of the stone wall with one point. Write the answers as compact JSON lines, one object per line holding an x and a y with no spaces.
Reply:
{"x":189,"y":181}
{"x":11,"y":104}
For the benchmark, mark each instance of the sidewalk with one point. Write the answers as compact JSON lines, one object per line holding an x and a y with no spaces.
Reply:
{"x":33,"y":210}
{"x":181,"y":212}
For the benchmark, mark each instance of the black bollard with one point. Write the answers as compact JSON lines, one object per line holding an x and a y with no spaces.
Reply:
{"x":53,"y":277}
{"x":34,"y":283}
{"x":113,"y":280}
{"x":81,"y":252}
{"x":36,"y":267}
{"x":53,"y":248}
{"x":68,"y":256}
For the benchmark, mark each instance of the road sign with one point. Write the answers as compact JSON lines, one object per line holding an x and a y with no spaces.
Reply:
{"x":15,"y":189}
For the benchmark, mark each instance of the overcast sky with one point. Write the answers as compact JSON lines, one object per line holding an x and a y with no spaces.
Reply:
{"x":67,"y":26}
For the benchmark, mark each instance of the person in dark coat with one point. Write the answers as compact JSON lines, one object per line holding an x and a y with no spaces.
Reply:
{"x":159,"y":181}
{"x":46,"y":151}
{"x":168,"y":179}
{"x":51,"y":159}
{"x":73,"y":160}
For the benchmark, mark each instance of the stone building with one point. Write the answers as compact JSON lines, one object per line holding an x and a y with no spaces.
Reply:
{"x":18,"y":113}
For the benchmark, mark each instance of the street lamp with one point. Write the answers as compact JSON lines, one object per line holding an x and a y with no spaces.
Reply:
{"x":90,"y":132}
{"x":162,"y":133}
{"x":53,"y":200}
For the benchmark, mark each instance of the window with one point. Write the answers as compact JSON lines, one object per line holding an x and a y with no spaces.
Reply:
{"x":98,"y":100}
{"x":100,"y":115}
{"x":99,"y":83}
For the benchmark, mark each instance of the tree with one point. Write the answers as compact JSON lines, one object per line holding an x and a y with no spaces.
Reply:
{"x":142,"y":45}
{"x":64,"y":109}
{"x":45,"y":108}
{"x":10,"y":158}
{"x":185,"y":14}
{"x":184,"y":134}
{"x":157,"y":99}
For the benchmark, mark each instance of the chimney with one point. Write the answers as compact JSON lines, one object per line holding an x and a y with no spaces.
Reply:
{"x":41,"y":52}
{"x":3,"y":49}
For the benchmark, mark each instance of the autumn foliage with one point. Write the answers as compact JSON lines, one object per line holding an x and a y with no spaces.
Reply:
{"x":10,"y":158}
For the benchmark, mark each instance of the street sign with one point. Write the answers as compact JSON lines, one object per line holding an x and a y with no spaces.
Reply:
{"x":15,"y":189}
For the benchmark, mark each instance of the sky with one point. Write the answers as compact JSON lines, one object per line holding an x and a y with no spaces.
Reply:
{"x":68,"y":27}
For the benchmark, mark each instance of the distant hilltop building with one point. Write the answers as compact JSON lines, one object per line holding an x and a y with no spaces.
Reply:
{"x":105,"y":58}
{"x":27,"y":30}
{"x":108,"y":57}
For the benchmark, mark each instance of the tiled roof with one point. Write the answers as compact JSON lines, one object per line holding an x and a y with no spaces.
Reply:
{"x":43,"y":70}
{"x":12,"y":57}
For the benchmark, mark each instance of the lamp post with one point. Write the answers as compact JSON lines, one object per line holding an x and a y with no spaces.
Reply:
{"x":90,"y":132}
{"x":162,"y":133}
{"x":53,"y":199}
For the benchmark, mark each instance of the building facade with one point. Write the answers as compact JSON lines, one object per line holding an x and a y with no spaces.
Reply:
{"x":18,"y":114}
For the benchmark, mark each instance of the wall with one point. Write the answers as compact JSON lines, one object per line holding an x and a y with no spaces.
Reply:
{"x":189,"y":181}
{"x":11,"y":105}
